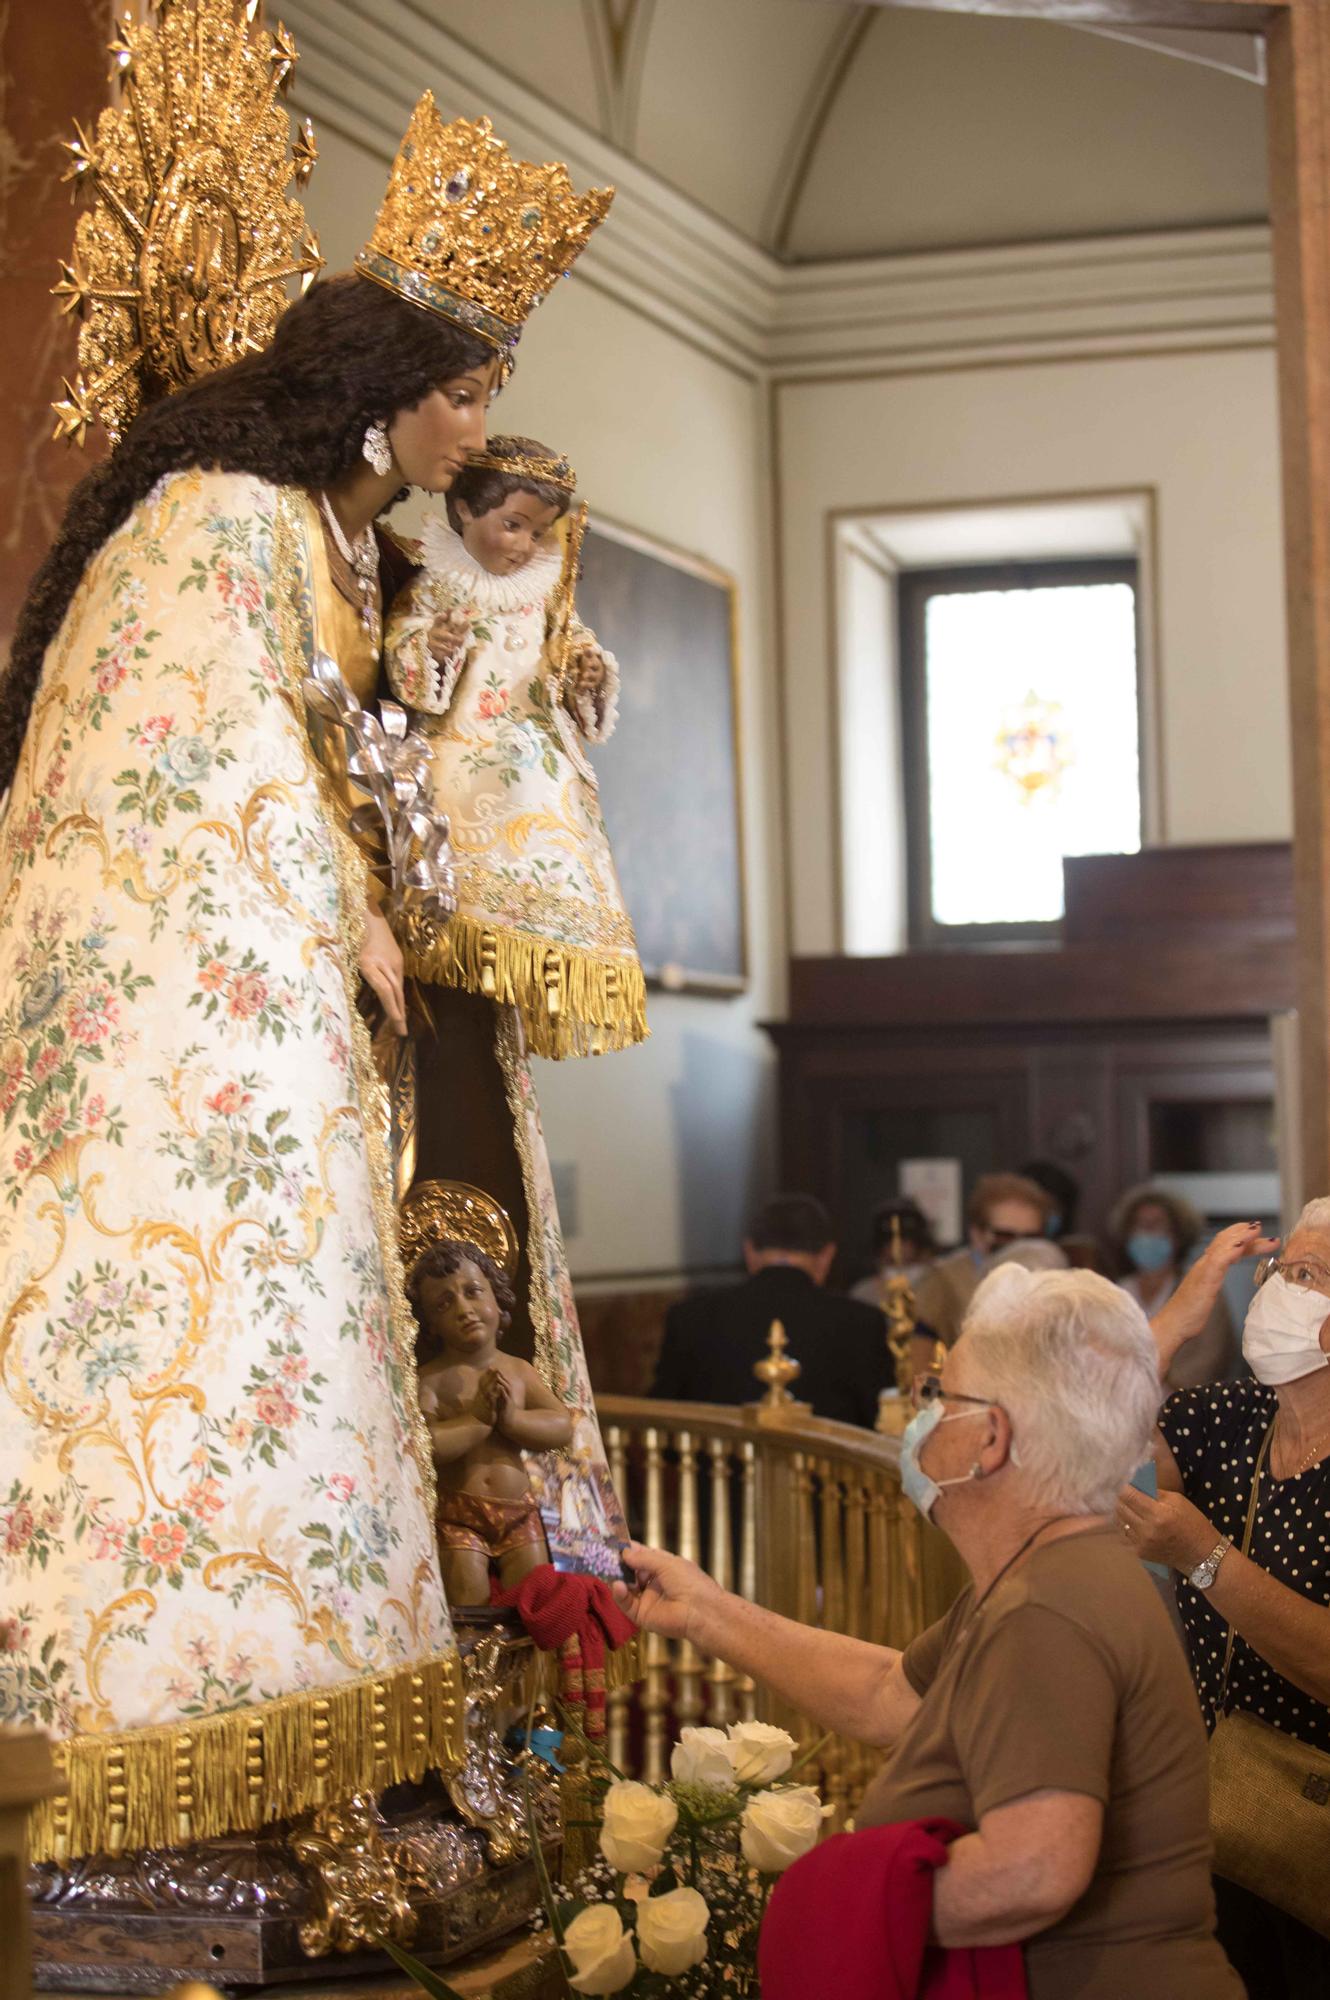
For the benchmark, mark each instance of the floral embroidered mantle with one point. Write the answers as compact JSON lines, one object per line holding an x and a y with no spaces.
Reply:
{"x":216,"y":1559}
{"x":541,"y":922}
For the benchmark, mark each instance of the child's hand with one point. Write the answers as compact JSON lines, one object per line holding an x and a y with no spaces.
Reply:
{"x":450,"y":634}
{"x":514,"y":1400}
{"x":586,"y":668}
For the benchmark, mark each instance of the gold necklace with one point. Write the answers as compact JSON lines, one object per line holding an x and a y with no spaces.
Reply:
{"x":1311,"y":1457}
{"x":362,"y":558}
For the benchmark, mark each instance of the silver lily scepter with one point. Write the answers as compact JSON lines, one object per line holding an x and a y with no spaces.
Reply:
{"x":383,"y":771}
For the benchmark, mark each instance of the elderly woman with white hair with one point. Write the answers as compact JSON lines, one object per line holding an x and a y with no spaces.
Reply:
{"x":1249,"y":1462}
{"x":1050,"y":1712}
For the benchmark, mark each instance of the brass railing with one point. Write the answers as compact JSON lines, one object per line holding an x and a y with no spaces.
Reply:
{"x":804,"y":1516}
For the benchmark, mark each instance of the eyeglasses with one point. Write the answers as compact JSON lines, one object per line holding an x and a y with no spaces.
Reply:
{"x":927,"y":1389}
{"x":1308,"y":1273}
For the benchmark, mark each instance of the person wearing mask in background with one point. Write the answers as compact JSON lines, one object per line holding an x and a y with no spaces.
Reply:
{"x":713,"y":1340}
{"x":1255,"y":1600}
{"x":1152,"y":1234}
{"x":1002,"y":1209}
{"x":900,"y":1229}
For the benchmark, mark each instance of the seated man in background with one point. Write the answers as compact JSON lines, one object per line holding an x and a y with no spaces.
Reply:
{"x":1002,"y":1209}
{"x":713,"y":1340}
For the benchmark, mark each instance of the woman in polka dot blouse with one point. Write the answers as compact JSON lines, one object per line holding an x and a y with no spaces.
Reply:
{"x":1277,"y":1598}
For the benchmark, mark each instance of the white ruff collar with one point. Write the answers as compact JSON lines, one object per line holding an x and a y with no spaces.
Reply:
{"x":447,"y":555}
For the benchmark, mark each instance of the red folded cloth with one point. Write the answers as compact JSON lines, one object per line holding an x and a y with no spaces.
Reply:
{"x":851,"y":1921}
{"x":576,"y":1617}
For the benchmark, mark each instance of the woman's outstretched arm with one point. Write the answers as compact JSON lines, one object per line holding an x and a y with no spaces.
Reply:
{"x":856,"y":1689}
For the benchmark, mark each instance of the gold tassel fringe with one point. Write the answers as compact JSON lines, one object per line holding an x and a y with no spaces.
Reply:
{"x":240,"y":1770}
{"x":572,"y":1003}
{"x":625,"y":1667}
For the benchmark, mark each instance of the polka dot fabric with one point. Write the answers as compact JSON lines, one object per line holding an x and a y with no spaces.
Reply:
{"x":1215,"y":1435}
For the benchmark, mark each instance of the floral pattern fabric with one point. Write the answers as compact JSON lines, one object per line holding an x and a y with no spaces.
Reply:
{"x":507,"y":761}
{"x":208,"y":1493}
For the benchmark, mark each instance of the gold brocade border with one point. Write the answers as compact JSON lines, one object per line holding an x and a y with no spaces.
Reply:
{"x":601,"y":999}
{"x":294,"y":527}
{"x":243,"y":1769}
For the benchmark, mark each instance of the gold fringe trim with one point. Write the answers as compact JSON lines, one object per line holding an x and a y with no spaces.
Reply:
{"x":240,"y":1770}
{"x":572,"y":1003}
{"x":626,"y":1667}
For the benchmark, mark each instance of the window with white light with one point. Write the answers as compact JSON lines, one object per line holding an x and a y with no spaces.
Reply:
{"x":1021,"y":712}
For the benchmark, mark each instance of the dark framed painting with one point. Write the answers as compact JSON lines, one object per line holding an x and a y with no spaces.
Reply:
{"x":670,"y":777}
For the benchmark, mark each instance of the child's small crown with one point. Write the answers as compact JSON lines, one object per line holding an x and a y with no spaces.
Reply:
{"x":507,"y":455}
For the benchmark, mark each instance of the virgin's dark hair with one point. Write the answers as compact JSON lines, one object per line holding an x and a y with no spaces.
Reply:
{"x":346,"y":355}
{"x":484,"y":488}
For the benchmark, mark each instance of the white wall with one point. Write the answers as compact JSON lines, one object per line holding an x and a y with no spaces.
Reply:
{"x":1199,"y":428}
{"x":668,"y":1139}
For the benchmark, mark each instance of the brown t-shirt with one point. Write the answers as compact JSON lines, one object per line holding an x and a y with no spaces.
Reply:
{"x":1070,"y":1679}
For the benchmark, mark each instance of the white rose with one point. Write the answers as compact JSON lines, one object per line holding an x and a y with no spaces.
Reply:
{"x":702,"y":1757}
{"x":759,"y":1753}
{"x":780,"y":1826}
{"x":635,"y":1825}
{"x":672,"y":1931}
{"x":601,"y":1950}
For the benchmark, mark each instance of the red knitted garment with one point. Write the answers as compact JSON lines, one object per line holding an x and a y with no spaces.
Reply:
{"x":576,"y":1617}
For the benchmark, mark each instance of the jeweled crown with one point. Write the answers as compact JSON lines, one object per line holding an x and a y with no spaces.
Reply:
{"x":471,"y":233}
{"x":516,"y":457}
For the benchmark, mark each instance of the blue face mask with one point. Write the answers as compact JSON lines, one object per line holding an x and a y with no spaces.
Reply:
{"x":915,"y":1482}
{"x":1149,"y":1251}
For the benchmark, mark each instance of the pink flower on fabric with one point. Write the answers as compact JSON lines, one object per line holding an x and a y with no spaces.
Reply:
{"x":23,"y":1159}
{"x":109,"y":676}
{"x":492,"y":702}
{"x":249,"y":993}
{"x":272,"y":1407}
{"x":341,"y":1486}
{"x":294,"y":1367}
{"x":93,"y":1015}
{"x":205,"y":1498}
{"x":17,"y":1530}
{"x":94,"y":1111}
{"x":154,"y":731}
{"x":163,"y":1543}
{"x":228,"y":1100}
{"x":212,"y":976}
{"x":48,"y":1060}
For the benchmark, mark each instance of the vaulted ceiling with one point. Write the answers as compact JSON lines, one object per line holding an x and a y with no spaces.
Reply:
{"x":827,"y":130}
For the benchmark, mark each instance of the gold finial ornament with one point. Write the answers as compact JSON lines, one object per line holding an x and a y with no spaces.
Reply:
{"x":778,"y":1370}
{"x":473,"y":234}
{"x":504,"y":454}
{"x":180,"y":264}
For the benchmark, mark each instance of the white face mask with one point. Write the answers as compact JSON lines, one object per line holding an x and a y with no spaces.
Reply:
{"x":1281,"y":1339}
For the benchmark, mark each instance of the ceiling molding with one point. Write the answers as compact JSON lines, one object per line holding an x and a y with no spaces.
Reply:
{"x":663,"y":255}
{"x":618,"y":32}
{"x":842,"y":46}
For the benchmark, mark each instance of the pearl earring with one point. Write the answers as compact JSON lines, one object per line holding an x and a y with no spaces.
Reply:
{"x":377,"y":449}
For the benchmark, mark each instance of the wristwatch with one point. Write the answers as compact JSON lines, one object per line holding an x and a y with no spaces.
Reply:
{"x":1207,"y":1570}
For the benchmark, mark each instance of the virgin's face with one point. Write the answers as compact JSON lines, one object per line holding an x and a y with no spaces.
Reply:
{"x":431,"y":440}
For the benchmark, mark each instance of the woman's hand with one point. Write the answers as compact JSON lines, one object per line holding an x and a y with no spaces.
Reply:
{"x":1165,"y":1530}
{"x":671,"y":1595}
{"x":449,"y":635}
{"x":1186,"y":1312}
{"x":382,"y":967}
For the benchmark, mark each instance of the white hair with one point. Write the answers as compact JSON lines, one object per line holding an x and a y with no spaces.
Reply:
{"x":1316,"y":1215}
{"x":1071,"y":1359}
{"x":1032,"y":1253}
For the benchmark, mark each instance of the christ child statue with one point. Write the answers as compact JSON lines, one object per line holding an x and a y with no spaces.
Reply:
{"x":507,"y":696}
{"x":483,"y":1408}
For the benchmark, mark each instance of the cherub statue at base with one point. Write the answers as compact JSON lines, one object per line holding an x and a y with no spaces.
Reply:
{"x":483,"y":1408}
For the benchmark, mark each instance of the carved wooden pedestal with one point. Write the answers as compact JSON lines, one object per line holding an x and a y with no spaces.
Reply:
{"x":443,"y":1867}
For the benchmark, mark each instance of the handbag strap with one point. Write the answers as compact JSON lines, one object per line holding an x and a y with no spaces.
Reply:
{"x":1246,"y":1547}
